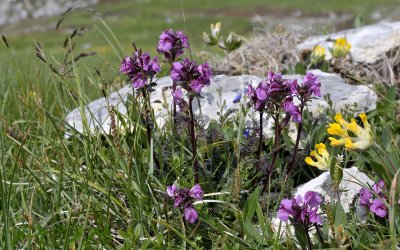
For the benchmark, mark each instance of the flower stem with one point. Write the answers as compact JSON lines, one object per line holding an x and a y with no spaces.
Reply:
{"x":319,"y":233}
{"x":296,"y":146}
{"x":275,"y":151}
{"x":309,"y":242}
{"x":260,"y":142}
{"x":146,"y":120}
{"x":174,"y":107}
{"x":193,"y":140}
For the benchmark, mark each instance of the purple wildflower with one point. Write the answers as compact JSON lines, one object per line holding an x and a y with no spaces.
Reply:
{"x":301,"y":211}
{"x":310,"y":87}
{"x":378,"y":186}
{"x":171,"y":44}
{"x":196,"y":192}
{"x":177,"y":94}
{"x":292,"y":109}
{"x":172,"y":190}
{"x":126,"y":66}
{"x":373,"y":201}
{"x":191,"y":76}
{"x":365,"y":197}
{"x":183,"y":197}
{"x":139,"y":68}
{"x":270,"y":92}
{"x":378,"y":208}
{"x":190,"y":214}
{"x":252,"y":94}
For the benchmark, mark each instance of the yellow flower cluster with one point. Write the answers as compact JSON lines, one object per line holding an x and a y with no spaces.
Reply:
{"x":321,"y":155}
{"x":351,"y":135}
{"x":318,"y":54}
{"x":319,"y":51}
{"x":340,"y":48}
{"x":348,"y":134}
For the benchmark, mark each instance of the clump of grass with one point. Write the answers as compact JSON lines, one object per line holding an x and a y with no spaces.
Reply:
{"x":265,"y":50}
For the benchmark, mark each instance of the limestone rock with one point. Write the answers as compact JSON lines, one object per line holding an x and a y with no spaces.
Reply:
{"x":222,"y":89}
{"x":368,"y":43}
{"x":353,"y":180}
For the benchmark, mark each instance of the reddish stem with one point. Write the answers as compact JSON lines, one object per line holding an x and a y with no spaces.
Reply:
{"x":296,"y":146}
{"x":193,"y":140}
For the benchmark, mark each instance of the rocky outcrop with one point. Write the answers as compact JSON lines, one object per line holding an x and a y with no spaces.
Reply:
{"x":222,"y":89}
{"x":353,"y":180}
{"x":368,"y":43}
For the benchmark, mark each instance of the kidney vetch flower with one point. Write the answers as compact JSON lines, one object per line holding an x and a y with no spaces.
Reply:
{"x":351,"y":135}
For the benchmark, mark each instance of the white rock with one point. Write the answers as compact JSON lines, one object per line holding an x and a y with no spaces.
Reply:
{"x":221,"y":88}
{"x":353,"y":180}
{"x":368,"y":44}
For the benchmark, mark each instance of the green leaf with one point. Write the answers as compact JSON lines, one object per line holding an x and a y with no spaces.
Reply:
{"x":248,"y":214}
{"x":340,"y":215}
{"x":301,"y":235}
{"x":300,"y":68}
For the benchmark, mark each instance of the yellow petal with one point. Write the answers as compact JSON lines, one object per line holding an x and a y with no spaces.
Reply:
{"x":338,"y":117}
{"x":310,"y":161}
{"x":335,"y":142}
{"x":335,"y":129}
{"x":349,"y":144}
{"x":352,"y":126}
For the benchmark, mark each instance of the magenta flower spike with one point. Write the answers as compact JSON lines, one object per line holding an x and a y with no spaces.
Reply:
{"x":172,"y":44}
{"x":126,"y":66}
{"x":301,"y":210}
{"x":139,"y":68}
{"x":190,"y":214}
{"x":190,"y":76}
{"x":196,"y":192}
{"x":373,"y":201}
{"x":378,"y":208}
{"x":184,"y":198}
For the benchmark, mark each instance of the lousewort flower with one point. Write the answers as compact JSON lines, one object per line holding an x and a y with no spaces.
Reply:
{"x":293,"y":110}
{"x":321,"y":155}
{"x":351,"y":135}
{"x":373,"y":201}
{"x":309,"y":88}
{"x":171,"y":44}
{"x":191,"y":76}
{"x":139,"y":68}
{"x":276,"y":92}
{"x":301,"y":210}
{"x":178,"y":97}
{"x":340,"y":48}
{"x":184,"y":198}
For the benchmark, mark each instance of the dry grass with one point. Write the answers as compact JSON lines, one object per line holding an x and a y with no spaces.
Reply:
{"x":265,"y":51}
{"x":276,"y":50}
{"x":385,"y":71}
